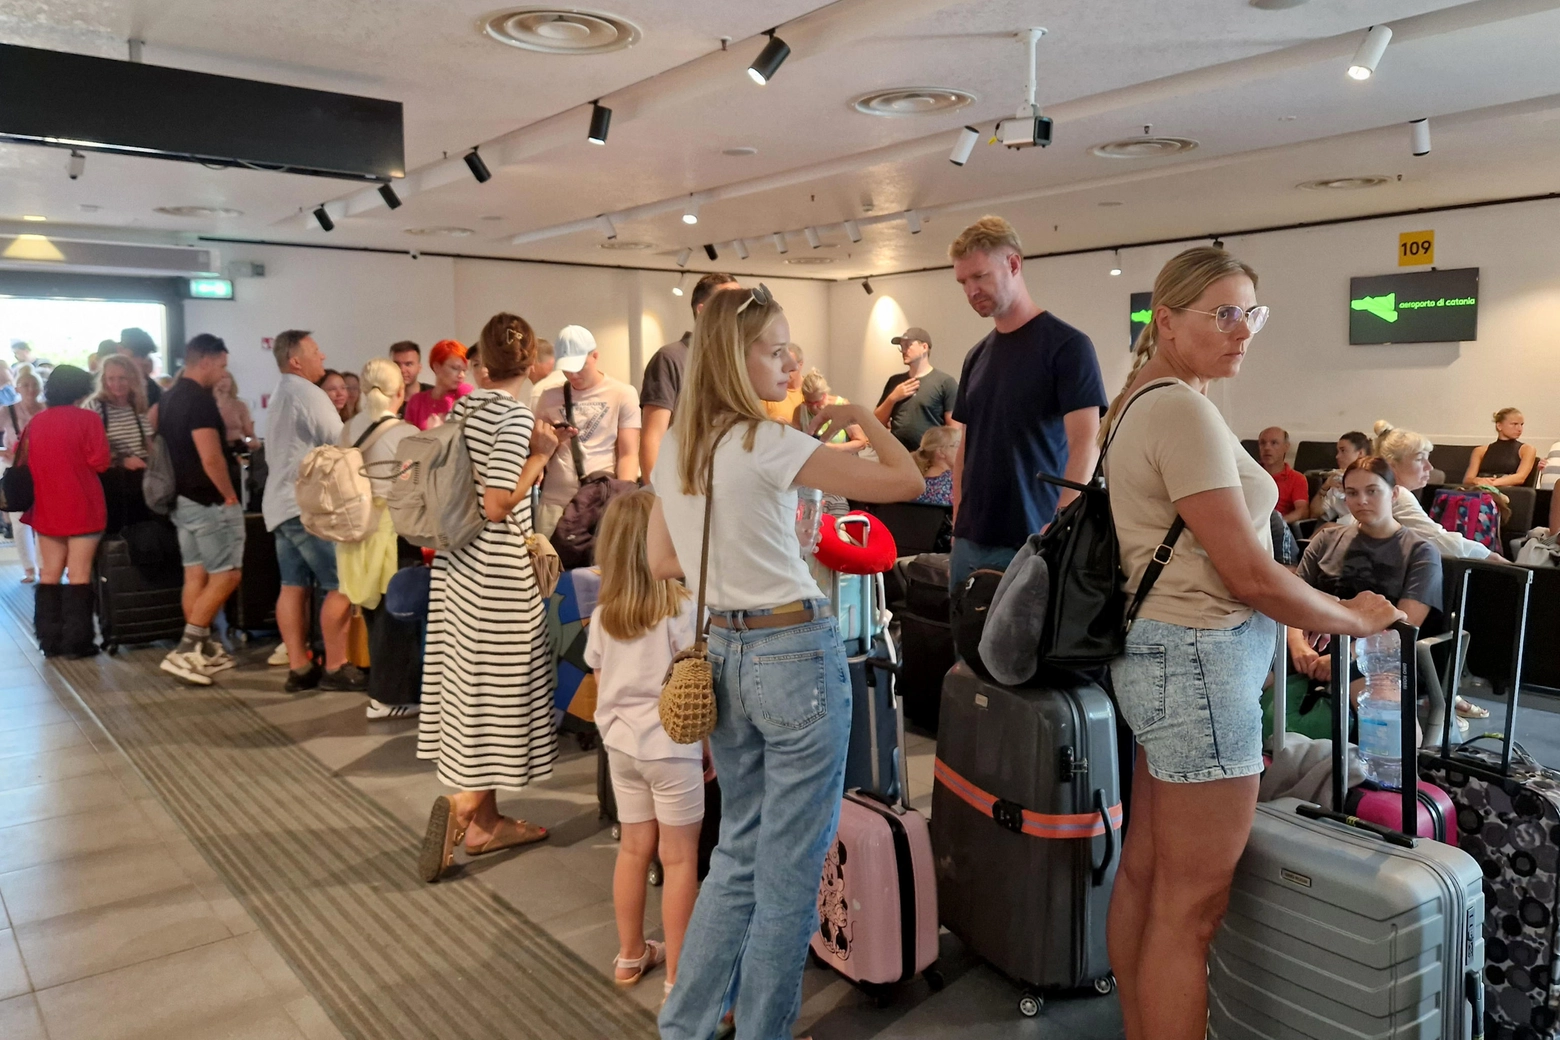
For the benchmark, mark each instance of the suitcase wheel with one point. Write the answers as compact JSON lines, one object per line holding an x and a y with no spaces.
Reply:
{"x":934,"y":979}
{"x":655,"y":876}
{"x":880,"y":995}
{"x":1105,"y":986}
{"x":1030,"y":1004}
{"x":111,"y":648}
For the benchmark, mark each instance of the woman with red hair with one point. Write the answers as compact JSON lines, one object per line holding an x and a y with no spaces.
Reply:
{"x":429,"y":407}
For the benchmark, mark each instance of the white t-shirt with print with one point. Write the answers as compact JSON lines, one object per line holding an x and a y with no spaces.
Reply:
{"x":755,"y":558}
{"x":628,"y":685}
{"x":599,"y":413}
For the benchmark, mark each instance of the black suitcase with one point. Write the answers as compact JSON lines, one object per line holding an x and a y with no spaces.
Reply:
{"x":926,"y":637}
{"x":134,"y":606}
{"x":252,"y":608}
{"x":395,"y":652}
{"x":1026,"y":817}
{"x":1508,"y":820}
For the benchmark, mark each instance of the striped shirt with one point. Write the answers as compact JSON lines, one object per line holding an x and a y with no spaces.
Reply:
{"x":127,"y":431}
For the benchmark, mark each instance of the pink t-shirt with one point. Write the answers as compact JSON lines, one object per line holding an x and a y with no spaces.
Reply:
{"x":425,"y":404}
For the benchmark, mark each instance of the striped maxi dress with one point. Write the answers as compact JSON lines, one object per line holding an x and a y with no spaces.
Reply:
{"x":487,"y":693}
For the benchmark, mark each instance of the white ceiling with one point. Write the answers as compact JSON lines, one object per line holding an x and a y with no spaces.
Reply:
{"x":1263,"y":92}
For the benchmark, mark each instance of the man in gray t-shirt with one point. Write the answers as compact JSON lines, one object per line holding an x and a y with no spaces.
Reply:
{"x":919,"y":399}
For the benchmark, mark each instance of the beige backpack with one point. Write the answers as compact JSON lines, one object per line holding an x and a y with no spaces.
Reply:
{"x":335,"y":498}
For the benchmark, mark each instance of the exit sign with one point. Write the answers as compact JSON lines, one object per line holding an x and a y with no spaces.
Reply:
{"x":211,"y":289}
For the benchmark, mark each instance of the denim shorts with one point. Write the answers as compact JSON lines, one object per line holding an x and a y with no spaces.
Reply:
{"x":1193,"y":697}
{"x":302,"y":558}
{"x":210,"y":537}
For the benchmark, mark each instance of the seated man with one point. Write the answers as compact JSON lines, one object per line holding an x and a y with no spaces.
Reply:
{"x":1551,"y":472}
{"x":1294,"y":499}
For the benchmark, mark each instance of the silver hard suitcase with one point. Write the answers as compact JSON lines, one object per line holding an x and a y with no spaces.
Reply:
{"x":1339,"y":928}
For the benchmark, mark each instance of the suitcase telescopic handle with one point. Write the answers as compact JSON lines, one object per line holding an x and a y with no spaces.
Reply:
{"x":1408,"y":702}
{"x":1112,"y":846}
{"x":1386,"y":834}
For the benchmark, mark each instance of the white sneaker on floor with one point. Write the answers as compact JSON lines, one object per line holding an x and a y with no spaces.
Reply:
{"x":278,"y":658}
{"x":188,"y":666}
{"x":377,"y":710}
{"x":216,"y":659}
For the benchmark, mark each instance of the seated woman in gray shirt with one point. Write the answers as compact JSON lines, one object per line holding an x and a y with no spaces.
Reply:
{"x":1374,"y":554}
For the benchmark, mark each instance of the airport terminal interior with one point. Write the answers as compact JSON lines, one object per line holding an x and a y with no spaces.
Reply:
{"x":209,"y":830}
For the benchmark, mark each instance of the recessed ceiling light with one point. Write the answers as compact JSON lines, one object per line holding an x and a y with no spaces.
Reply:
{"x":807,"y":261}
{"x":444,"y":232}
{"x":198,"y":211}
{"x":1143,"y":147}
{"x":560,"y":31}
{"x":491,"y":216}
{"x":33,"y":218}
{"x":618,"y":243}
{"x":1287,"y":119}
{"x":1276,"y":5}
{"x":912,"y":101}
{"x":89,"y":207}
{"x":1344,"y":183}
{"x":1108,"y":203}
{"x":739,"y":153}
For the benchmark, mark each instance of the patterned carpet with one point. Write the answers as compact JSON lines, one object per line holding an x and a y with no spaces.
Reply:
{"x":328,"y":874}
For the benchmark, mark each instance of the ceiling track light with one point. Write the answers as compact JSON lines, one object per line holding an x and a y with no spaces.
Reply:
{"x":608,"y":228}
{"x":1419,"y":136}
{"x":691,"y":213}
{"x":477,"y":167}
{"x":392,"y":200}
{"x":677,"y":290}
{"x":812,"y":237}
{"x":76,"y":165}
{"x":866,"y":286}
{"x":913,"y":221}
{"x":711,"y":252}
{"x":741,"y":249}
{"x":778,"y":238}
{"x":326,"y":224}
{"x":1115,"y":265}
{"x":853,"y":231}
{"x":600,"y":121}
{"x":683,"y":257}
{"x":769,"y":59}
{"x":1218,"y":243}
{"x":1371,"y":49}
{"x":964,"y":145}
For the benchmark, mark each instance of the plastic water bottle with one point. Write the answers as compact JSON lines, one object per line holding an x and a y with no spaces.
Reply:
{"x":809,"y":518}
{"x":1381,"y":709}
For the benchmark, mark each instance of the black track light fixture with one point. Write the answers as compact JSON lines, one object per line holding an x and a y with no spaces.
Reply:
{"x":478,"y":168}
{"x":326,"y":224}
{"x":769,"y":59}
{"x":709,"y":251}
{"x":866,"y":286}
{"x":600,"y":121}
{"x":387,"y":193}
{"x":1218,"y":243}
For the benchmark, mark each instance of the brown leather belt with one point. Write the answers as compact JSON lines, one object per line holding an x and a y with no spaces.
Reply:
{"x":794,"y":613}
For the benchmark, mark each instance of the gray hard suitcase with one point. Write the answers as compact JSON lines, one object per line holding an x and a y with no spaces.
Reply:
{"x":1026,"y":812}
{"x":1339,"y":929}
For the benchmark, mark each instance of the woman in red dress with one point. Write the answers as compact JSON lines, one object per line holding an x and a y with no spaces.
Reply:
{"x":65,"y":448}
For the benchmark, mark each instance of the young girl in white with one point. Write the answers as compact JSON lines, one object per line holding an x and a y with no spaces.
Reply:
{"x":638,"y":625}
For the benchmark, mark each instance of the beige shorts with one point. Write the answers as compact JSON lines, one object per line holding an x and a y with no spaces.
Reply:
{"x":667,"y":790}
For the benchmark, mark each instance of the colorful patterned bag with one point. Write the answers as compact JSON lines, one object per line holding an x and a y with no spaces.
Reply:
{"x":1473,"y":514}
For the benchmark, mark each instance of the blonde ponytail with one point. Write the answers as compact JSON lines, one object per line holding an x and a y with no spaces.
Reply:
{"x":379,"y":380}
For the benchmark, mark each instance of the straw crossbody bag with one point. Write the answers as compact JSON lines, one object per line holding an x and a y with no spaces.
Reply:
{"x":688,"y":691}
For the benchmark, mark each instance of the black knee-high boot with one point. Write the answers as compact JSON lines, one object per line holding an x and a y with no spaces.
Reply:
{"x":48,"y":619}
{"x":79,"y":638}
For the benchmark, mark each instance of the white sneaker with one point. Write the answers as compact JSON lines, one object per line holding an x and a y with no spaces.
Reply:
{"x":215,"y":658}
{"x":187,"y":666}
{"x":377,"y":710}
{"x":278,"y":658}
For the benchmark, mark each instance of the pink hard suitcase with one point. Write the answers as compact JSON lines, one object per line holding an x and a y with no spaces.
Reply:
{"x":877,"y":901}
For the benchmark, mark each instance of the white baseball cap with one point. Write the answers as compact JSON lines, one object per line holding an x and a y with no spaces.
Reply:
{"x":573,"y":345}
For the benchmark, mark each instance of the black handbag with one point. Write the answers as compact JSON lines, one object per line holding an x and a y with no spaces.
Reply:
{"x":16,"y":483}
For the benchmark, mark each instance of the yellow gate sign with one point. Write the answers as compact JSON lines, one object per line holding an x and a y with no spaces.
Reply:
{"x":1416,"y":248}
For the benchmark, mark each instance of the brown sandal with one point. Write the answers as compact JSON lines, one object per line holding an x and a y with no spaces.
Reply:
{"x":510,"y":833}
{"x":444,"y":832}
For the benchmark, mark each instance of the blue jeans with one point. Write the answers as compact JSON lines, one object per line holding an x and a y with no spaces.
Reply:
{"x":210,"y":537}
{"x":968,"y":557}
{"x":783,"y":700}
{"x":304,"y":559}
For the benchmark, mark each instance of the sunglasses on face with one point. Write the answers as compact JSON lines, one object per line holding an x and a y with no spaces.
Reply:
{"x":761,"y":296}
{"x":1229,"y":317}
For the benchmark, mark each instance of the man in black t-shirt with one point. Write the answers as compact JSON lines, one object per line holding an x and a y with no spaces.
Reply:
{"x":138,"y":344}
{"x":664,"y":375}
{"x":919,"y":399}
{"x":206,"y":512}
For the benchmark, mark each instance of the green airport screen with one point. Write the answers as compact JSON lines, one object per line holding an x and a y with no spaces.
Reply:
{"x":1142,"y":313}
{"x":1422,"y":307}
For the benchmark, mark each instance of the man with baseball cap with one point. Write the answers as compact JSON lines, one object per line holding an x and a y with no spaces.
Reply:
{"x":919,"y":399}
{"x":603,"y":411}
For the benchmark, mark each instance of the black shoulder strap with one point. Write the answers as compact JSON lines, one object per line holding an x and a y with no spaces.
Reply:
{"x":376,"y":424}
{"x":102,"y":410}
{"x":1165,"y":551}
{"x":574,"y":442}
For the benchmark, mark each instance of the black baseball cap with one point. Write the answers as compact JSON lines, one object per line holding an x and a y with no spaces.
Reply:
{"x":912,"y":335}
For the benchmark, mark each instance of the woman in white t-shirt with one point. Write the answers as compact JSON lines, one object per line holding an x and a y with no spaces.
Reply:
{"x":782,"y":690}
{"x":1189,"y":684}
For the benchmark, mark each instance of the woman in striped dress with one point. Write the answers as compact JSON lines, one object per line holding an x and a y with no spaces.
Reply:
{"x":121,"y":403}
{"x":487,"y":672}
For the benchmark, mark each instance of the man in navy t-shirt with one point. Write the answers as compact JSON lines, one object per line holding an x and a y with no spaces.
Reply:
{"x":1030,"y":398}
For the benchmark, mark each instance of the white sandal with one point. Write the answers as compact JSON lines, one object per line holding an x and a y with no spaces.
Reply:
{"x":654,"y":955}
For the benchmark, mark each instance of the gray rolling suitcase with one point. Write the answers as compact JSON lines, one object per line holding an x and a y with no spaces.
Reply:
{"x":1026,"y":817}
{"x":1339,"y":928}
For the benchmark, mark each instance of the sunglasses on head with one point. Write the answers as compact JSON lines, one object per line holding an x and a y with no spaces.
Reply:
{"x":760,"y":295}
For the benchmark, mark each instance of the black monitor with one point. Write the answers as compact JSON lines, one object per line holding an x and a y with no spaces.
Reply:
{"x":1422,"y":307}
{"x":1142,"y":312}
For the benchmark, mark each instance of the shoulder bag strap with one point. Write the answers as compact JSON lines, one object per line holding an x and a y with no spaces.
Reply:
{"x":1165,"y":551}
{"x":102,"y":410}
{"x":574,"y":442}
{"x":369,"y":435}
{"x":16,"y":426}
{"x":704,"y":550}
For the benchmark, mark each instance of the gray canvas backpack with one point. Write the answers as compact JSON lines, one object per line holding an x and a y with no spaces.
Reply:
{"x":433,"y":499}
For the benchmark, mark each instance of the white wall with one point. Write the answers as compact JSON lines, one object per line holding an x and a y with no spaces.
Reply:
{"x":1301,"y":373}
{"x":358,"y":303}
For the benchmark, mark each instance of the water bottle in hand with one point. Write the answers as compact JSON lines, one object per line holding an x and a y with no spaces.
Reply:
{"x":1381,"y":709}
{"x":809,"y":518}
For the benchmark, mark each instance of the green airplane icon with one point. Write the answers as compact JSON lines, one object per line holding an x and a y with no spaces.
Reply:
{"x":1142,"y":317}
{"x":1383,"y":307}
